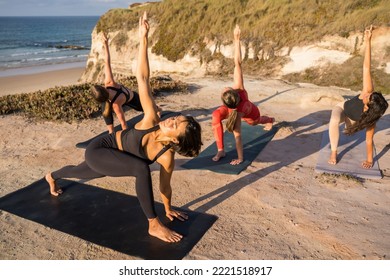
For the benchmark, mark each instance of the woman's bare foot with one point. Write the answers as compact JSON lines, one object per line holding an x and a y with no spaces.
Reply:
{"x":157,"y":229}
{"x":219,"y":155}
{"x":54,"y":190}
{"x":268,"y":126}
{"x":333,"y":158}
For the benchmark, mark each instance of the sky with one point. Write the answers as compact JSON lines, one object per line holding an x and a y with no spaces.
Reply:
{"x":61,"y":7}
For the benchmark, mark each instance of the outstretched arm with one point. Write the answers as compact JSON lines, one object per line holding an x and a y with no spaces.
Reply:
{"x":167,"y":166}
{"x":238,"y":77}
{"x":108,"y":77}
{"x":143,"y":74}
{"x":120,"y":115}
{"x":368,"y":87}
{"x":370,"y":147}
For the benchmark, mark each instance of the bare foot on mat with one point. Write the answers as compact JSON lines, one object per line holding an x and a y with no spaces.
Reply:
{"x":157,"y":229}
{"x":54,"y":190}
{"x":219,"y":155}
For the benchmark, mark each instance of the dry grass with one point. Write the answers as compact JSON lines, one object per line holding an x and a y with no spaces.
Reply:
{"x":265,"y":24}
{"x":346,"y":75}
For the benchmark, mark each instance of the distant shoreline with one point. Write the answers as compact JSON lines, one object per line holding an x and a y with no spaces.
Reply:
{"x":24,"y":80}
{"x":40,"y":69}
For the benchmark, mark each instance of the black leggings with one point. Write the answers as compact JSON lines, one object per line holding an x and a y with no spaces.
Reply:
{"x":102,"y":159}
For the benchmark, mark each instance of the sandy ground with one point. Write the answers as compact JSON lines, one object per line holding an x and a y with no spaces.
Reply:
{"x":39,"y":81}
{"x":279,"y":208}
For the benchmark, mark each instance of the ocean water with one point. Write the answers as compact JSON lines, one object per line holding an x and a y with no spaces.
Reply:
{"x":28,"y":42}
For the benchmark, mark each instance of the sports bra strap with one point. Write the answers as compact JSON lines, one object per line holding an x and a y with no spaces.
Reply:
{"x":116,"y":96}
{"x":163,"y":150}
{"x":119,"y":91}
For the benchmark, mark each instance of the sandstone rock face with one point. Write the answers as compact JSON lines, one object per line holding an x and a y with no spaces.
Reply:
{"x":331,"y":49}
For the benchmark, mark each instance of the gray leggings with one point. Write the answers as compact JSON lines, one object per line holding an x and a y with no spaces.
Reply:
{"x":338,"y":116}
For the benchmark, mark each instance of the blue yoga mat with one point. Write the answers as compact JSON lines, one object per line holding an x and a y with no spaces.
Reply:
{"x":254,"y":139}
{"x":351,"y":154}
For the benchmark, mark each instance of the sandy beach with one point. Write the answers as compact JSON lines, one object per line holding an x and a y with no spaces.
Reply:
{"x":278,"y":208}
{"x":14,"y":83}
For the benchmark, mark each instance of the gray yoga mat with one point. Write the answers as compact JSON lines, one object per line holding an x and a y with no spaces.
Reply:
{"x":107,"y":218}
{"x":254,"y":139}
{"x":351,"y":154}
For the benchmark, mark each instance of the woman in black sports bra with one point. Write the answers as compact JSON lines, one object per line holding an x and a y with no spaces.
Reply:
{"x":130,"y":152}
{"x":360,"y":112}
{"x":113,"y":96}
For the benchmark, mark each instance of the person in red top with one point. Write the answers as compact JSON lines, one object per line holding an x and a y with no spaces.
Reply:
{"x":236,"y":106}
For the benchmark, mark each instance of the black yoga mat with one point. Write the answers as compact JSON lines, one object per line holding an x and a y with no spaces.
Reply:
{"x":107,"y":218}
{"x":254,"y":139}
{"x":130,"y":123}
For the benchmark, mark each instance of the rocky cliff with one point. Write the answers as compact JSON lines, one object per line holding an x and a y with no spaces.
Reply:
{"x":212,"y":55}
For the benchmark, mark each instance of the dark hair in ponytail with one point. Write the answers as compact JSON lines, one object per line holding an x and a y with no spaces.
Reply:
{"x":231,"y":120}
{"x":100,"y":94}
{"x":231,"y":99}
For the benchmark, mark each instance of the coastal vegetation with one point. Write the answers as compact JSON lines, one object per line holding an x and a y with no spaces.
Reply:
{"x":73,"y":103}
{"x":182,"y":27}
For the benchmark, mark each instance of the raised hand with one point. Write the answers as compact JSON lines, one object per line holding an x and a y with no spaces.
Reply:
{"x":143,"y":26}
{"x":104,"y":38}
{"x":368,"y":32}
{"x":237,"y":32}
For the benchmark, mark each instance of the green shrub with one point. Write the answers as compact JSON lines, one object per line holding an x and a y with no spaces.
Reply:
{"x":73,"y":103}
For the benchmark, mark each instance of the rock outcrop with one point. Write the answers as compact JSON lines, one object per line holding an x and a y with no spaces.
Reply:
{"x":331,"y":49}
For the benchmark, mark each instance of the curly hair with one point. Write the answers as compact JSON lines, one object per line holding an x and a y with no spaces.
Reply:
{"x":100,"y":94}
{"x":377,"y":106}
{"x":190,"y":142}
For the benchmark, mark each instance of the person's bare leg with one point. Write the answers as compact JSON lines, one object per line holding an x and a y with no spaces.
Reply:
{"x":220,"y":154}
{"x":333,"y":157}
{"x":336,"y":118}
{"x":157,"y":229}
{"x":54,"y":190}
{"x":268,"y":126}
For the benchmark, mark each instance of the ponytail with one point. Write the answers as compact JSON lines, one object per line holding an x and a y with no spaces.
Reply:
{"x":100,"y":94}
{"x":107,"y":109}
{"x":231,"y":120}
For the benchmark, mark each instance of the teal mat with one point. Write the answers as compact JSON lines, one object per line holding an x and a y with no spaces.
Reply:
{"x":254,"y":139}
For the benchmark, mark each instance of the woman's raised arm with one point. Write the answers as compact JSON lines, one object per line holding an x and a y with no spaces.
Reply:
{"x":108,"y":77}
{"x":143,"y":74}
{"x":238,"y":77}
{"x":368,"y":86}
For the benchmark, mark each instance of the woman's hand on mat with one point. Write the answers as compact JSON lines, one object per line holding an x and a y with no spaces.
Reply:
{"x":236,"y":161}
{"x":367,"y":164}
{"x":171,"y":214}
